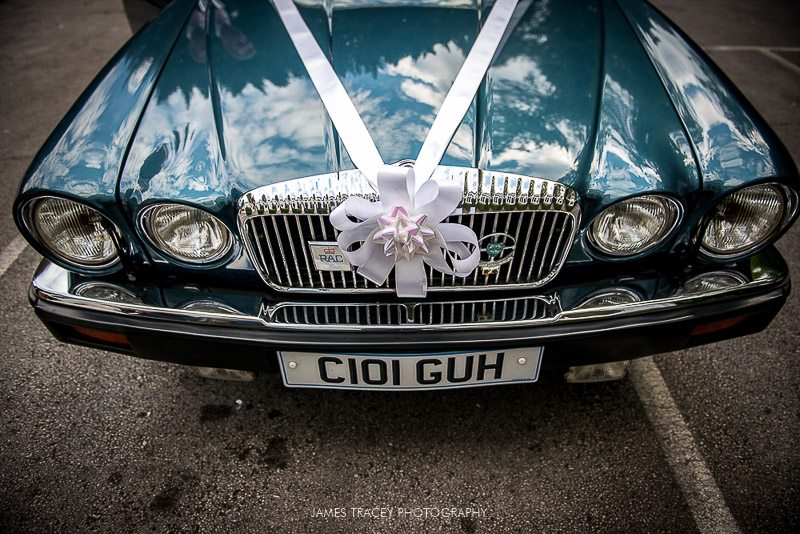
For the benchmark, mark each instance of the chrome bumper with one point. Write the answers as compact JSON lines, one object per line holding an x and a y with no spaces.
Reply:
{"x":243,"y":330}
{"x":192,"y":305}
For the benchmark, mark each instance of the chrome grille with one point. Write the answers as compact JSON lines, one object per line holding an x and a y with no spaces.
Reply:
{"x":539,"y":217}
{"x":414,"y":315}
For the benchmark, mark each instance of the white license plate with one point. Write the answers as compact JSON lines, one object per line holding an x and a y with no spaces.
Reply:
{"x":410,"y":371}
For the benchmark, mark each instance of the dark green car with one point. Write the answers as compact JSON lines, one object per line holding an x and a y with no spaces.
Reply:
{"x":624,"y":196}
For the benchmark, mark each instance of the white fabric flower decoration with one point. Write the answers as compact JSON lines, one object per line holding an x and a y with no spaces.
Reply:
{"x":405,"y":231}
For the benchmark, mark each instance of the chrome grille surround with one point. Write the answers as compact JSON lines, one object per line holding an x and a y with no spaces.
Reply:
{"x":441,"y":315}
{"x":278,"y":221}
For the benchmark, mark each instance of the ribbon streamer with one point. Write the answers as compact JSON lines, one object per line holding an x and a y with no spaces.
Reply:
{"x":340,"y":108}
{"x":405,"y":229}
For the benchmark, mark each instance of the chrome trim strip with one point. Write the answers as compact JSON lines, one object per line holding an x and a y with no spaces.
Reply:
{"x":51,"y":285}
{"x":487,"y":192}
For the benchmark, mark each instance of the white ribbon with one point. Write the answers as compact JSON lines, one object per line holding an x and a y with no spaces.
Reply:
{"x":404,"y":230}
{"x":340,"y":108}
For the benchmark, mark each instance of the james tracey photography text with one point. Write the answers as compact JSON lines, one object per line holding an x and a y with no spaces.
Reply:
{"x":399,"y":512}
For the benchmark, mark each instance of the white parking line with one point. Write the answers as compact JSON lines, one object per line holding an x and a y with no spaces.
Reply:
{"x":782,"y":60}
{"x":723,"y":48}
{"x":769,"y":51}
{"x":705,"y":501}
{"x":11,"y":253}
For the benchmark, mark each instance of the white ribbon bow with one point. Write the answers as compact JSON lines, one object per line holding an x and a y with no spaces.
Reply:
{"x":404,"y":230}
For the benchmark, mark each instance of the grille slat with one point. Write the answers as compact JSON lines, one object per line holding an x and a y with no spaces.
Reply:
{"x":278,"y":238}
{"x":314,"y":238}
{"x":538,"y":242}
{"x":525,"y":244}
{"x":558,"y":248}
{"x":289,"y":229}
{"x":269,"y":251}
{"x":261,"y":254}
{"x":479,"y":233}
{"x":544,"y":252}
{"x":324,"y":229}
{"x":516,"y":240}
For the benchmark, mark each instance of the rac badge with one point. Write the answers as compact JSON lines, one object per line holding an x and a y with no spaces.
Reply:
{"x":328,"y":256}
{"x":496,"y":250}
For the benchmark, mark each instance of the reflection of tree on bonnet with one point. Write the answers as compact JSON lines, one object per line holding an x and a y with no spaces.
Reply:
{"x":400,"y":31}
{"x":234,"y":41}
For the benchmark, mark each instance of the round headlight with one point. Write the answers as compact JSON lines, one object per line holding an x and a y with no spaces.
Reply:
{"x":75,"y":233}
{"x":185,"y":233}
{"x":744,"y":219}
{"x":634,"y":225}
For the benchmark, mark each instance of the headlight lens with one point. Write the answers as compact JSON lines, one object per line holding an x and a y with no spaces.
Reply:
{"x":744,"y":219}
{"x":75,"y":233}
{"x":634,"y":225}
{"x":187,"y":234}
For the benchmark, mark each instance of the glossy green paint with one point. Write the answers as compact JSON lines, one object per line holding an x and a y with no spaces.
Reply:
{"x":602,"y":95}
{"x":732,"y":144}
{"x":83,"y":157}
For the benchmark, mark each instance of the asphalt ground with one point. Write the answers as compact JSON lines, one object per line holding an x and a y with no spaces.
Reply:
{"x":700,"y":440}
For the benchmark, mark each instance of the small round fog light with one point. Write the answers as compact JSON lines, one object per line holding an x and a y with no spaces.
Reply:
{"x":107,"y":292}
{"x":210,"y":306}
{"x":713,"y":281}
{"x":611,"y":297}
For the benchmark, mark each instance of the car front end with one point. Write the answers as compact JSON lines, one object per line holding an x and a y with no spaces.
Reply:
{"x":625,"y":197}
